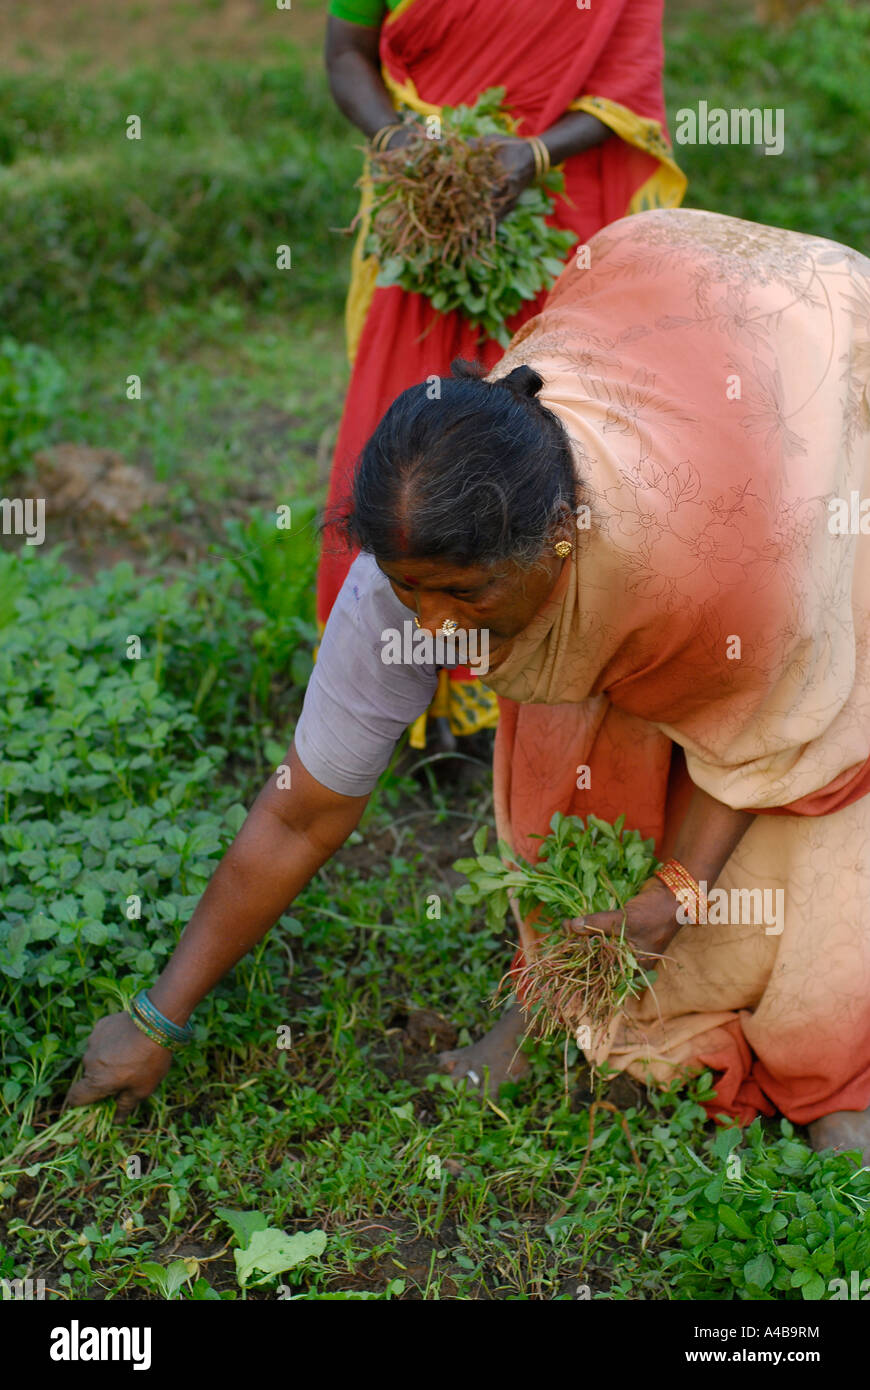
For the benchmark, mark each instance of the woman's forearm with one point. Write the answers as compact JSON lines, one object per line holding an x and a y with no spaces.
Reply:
{"x":287,"y":836}
{"x":708,"y":836}
{"x":572,"y":133}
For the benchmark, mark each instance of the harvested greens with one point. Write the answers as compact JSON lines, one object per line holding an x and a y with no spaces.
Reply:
{"x":434,"y":227}
{"x":596,"y":867}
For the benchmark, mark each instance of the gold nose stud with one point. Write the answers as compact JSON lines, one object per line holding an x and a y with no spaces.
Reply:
{"x":447,"y":628}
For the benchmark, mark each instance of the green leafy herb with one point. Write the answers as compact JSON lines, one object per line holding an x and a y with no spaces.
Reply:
{"x":581,"y":869}
{"x":746,"y":1235}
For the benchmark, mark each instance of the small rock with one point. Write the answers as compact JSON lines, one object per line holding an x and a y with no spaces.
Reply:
{"x":95,"y":483}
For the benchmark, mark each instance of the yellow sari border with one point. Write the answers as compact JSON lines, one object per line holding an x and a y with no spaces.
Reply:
{"x":666,"y":187}
{"x":402,"y":6}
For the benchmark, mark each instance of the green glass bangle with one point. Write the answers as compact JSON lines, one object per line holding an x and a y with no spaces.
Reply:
{"x":150,"y":1032}
{"x":174,"y":1033}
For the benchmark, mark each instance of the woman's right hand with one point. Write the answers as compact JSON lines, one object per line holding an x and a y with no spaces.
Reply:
{"x":408,"y":134}
{"x":120,"y":1060}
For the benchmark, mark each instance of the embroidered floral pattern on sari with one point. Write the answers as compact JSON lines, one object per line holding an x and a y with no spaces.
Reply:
{"x":712,"y":376}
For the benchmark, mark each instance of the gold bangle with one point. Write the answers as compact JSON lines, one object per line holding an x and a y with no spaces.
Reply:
{"x":149,"y":1031}
{"x":685,"y":888}
{"x":381,"y":137}
{"x":536,"y":156}
{"x":541,"y":156}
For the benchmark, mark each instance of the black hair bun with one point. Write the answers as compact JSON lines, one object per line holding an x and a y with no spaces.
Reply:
{"x":463,"y":370}
{"x":522,"y":381}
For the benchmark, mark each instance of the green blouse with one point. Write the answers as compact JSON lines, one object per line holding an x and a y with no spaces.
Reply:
{"x":370,"y":12}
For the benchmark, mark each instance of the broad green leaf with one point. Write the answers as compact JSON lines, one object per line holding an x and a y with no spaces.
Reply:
{"x":725,"y":1141}
{"x":794,"y":1256}
{"x":699,"y":1233}
{"x":815,"y":1289}
{"x":271,"y":1251}
{"x":490,"y":864}
{"x":733,"y":1222}
{"x":759,"y":1271}
{"x":176,"y":1274}
{"x":243,"y":1224}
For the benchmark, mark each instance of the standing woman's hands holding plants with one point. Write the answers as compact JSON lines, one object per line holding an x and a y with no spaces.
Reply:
{"x":516,"y":158}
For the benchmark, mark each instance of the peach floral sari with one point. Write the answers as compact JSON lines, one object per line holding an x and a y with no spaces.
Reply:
{"x":713,"y":628}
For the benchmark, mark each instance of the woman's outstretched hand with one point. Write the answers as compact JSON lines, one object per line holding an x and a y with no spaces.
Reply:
{"x":650,"y":921}
{"x":119,"y":1061}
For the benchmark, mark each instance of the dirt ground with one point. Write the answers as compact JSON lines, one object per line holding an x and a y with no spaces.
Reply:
{"x":44,"y":33}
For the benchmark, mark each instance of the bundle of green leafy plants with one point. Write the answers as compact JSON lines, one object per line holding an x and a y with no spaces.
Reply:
{"x":571,"y":979}
{"x":435,"y":225}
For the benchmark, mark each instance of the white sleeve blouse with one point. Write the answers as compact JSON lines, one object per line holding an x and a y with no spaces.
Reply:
{"x":359,"y":701}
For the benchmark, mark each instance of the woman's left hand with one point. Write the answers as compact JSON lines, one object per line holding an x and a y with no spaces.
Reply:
{"x":650,"y":921}
{"x":516,"y":158}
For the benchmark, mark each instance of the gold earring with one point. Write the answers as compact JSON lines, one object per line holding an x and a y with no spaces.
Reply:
{"x":563,"y":548}
{"x":416,"y":621}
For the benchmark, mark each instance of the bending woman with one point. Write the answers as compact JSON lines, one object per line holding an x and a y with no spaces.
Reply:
{"x":652,"y":510}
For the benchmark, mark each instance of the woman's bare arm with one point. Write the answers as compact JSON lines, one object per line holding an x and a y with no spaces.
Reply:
{"x":573,"y":133}
{"x":354,"y":71}
{"x":708,"y":836}
{"x":286,"y":837}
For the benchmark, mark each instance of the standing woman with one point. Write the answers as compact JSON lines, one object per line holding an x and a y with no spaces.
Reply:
{"x":588,"y":82}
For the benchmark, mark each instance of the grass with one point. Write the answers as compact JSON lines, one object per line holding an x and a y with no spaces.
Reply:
{"x":236,"y":407}
{"x":310,"y":1096}
{"x":233,"y":162}
{"x":814,"y":70}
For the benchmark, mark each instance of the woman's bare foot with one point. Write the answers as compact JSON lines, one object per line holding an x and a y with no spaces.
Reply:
{"x":492,"y":1060}
{"x":843,"y":1129}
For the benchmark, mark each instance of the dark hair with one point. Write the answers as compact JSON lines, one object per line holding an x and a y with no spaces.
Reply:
{"x":470,"y":471}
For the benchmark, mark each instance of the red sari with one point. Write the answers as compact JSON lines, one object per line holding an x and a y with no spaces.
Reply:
{"x":549,"y":58}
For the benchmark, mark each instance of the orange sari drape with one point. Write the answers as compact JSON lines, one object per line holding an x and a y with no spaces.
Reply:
{"x":712,"y":629}
{"x":549,"y":57}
